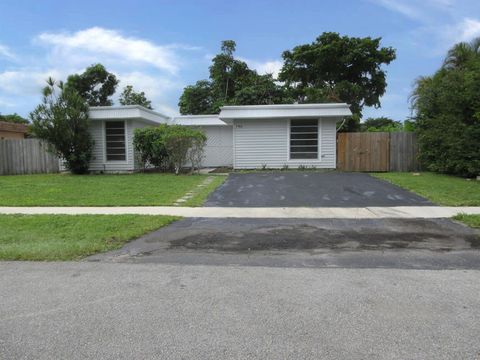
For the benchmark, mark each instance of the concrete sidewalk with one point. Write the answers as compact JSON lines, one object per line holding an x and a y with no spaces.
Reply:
{"x":400,"y":212}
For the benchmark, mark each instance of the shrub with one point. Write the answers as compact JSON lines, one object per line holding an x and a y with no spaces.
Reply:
{"x":149,"y":144}
{"x":62,"y":120}
{"x":178,"y":141}
{"x":196,"y":151}
{"x":168,"y":146}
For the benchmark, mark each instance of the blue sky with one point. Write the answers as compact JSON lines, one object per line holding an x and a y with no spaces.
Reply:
{"x":162,"y":46}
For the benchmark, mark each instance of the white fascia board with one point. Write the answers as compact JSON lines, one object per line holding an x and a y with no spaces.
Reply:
{"x":198,"y":120}
{"x":229,"y":113}
{"x":127,"y":112}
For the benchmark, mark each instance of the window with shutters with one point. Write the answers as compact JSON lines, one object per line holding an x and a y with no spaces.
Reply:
{"x":304,"y":139}
{"x":115,"y":140}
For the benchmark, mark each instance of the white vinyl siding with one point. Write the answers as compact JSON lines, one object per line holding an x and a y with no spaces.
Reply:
{"x":99,"y":160}
{"x":259,"y":143}
{"x":218,"y":150}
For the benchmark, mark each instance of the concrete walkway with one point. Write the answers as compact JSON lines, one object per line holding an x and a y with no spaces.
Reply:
{"x":401,"y":212}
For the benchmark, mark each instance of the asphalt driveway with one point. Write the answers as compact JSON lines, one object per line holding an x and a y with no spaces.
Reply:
{"x":346,"y":243}
{"x":310,"y":189}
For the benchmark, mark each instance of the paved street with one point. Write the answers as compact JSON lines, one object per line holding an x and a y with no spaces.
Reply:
{"x":124,"y":311}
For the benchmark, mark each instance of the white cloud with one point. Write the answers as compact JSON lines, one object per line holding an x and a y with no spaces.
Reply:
{"x":401,"y":7}
{"x":113,"y":45}
{"x":265,"y":67}
{"x":26,"y":81}
{"x":6,"y":52}
{"x":268,"y":67}
{"x":466,"y":30}
{"x":148,"y":66}
{"x":156,"y":88}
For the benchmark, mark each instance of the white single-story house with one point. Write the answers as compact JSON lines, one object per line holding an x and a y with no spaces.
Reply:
{"x":112,"y":130}
{"x":242,"y":137}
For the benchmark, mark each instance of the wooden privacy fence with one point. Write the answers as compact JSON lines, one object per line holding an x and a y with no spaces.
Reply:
{"x":26,"y":156}
{"x":377,"y":151}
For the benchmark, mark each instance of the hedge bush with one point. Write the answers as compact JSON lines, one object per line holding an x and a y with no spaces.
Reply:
{"x":169,"y":147}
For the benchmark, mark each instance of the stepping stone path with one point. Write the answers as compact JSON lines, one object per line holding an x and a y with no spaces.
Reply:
{"x":193,"y":192}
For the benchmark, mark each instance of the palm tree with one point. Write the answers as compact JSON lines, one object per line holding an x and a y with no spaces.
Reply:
{"x":461,"y":53}
{"x":422,"y":85}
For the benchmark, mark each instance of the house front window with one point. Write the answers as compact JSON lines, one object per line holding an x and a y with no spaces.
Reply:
{"x":115,"y":140}
{"x":304,"y":139}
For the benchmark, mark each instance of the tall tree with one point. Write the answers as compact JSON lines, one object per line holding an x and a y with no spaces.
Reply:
{"x":131,"y":97}
{"x":231,"y":82}
{"x":339,"y":69}
{"x":62,"y":120}
{"x":96,"y":85}
{"x":13,"y":118}
{"x":381,"y":124}
{"x":462,"y":54}
{"x":447,"y":113}
{"x":197,"y":99}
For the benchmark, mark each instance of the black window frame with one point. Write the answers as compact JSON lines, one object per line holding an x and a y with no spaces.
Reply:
{"x":118,"y":144}
{"x":304,"y":139}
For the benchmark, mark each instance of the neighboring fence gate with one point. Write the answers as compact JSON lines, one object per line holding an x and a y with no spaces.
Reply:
{"x":26,"y":156}
{"x":377,"y":151}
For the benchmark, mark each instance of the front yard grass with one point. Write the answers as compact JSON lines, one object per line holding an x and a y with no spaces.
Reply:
{"x":441,"y":189}
{"x":470,"y":220}
{"x":102,"y":190}
{"x":70,"y":237}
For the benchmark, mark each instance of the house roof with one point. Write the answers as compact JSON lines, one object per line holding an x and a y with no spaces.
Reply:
{"x":226,"y":116}
{"x":127,"y":112}
{"x":198,"y":120}
{"x":288,"y":111}
{"x":13,"y":127}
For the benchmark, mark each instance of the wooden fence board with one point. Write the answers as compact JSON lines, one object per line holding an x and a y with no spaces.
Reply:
{"x":377,"y":151}
{"x":363,"y":151}
{"x":26,"y":156}
{"x":404,"y":152}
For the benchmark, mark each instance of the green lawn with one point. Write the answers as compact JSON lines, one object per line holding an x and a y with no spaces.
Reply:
{"x":102,"y":190}
{"x":70,"y":237}
{"x":470,"y":220}
{"x":441,"y":189}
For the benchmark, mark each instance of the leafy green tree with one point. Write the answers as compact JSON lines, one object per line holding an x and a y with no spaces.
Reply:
{"x":410,"y":125}
{"x":337,"y":68}
{"x":197,"y":99}
{"x":447,"y":113}
{"x":131,"y":97}
{"x":231,"y":82}
{"x":62,"y":120}
{"x":96,"y":85}
{"x":381,"y":124}
{"x":262,"y":90}
{"x":13,"y":118}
